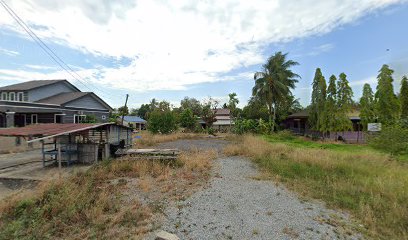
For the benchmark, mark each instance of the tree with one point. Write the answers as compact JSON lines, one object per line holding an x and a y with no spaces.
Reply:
{"x":232,"y":104}
{"x":367,"y":112}
{"x":255,"y":109}
{"x":133,"y":112}
{"x":162,"y":122}
{"x":330,"y":124}
{"x":188,"y":120}
{"x":208,"y":112}
{"x":275,"y":82}
{"x":387,"y":106}
{"x":404,"y":98}
{"x":124,"y":110}
{"x":191,"y":103}
{"x":344,"y":103}
{"x":316,"y":112}
{"x":143,"y":110}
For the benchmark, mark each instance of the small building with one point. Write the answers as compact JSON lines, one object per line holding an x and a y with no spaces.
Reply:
{"x":298,"y":123}
{"x":69,"y":143}
{"x":224,"y":121}
{"x":48,"y":101}
{"x":134,"y":122}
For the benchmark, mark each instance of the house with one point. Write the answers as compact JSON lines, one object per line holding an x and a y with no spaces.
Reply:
{"x":224,"y":120}
{"x":298,"y":123}
{"x":135,"y":122}
{"x":48,"y":101}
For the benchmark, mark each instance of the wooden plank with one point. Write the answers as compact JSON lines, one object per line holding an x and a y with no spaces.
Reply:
{"x":147,"y":152}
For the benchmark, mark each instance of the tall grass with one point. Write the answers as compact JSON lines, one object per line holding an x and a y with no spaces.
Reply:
{"x":147,"y":139}
{"x":102,"y":202}
{"x":370,"y":185}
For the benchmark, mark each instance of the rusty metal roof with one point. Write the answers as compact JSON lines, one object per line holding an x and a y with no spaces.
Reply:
{"x":49,"y":129}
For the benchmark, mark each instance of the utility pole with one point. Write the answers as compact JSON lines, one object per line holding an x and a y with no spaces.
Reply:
{"x":123,"y":113}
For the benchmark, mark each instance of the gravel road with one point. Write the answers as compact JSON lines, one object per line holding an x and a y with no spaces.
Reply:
{"x":236,"y":206}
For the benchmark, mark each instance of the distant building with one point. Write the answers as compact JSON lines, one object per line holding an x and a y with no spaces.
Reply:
{"x":224,"y":121}
{"x":134,"y":122}
{"x":48,"y":101}
{"x":298,"y":123}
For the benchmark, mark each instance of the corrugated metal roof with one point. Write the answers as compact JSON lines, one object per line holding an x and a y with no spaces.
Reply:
{"x":222,"y":111}
{"x":135,"y":119}
{"x":29,"y":85}
{"x":49,"y":129}
{"x":63,"y":98}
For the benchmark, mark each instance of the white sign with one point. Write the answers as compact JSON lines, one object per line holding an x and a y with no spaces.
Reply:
{"x":374,"y":127}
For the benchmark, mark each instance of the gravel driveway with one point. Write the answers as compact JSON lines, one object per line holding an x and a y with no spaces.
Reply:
{"x":236,"y":206}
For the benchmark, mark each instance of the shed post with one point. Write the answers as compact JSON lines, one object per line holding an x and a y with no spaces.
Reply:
{"x":43,"y":152}
{"x":107,"y":150}
{"x":59,"y":154}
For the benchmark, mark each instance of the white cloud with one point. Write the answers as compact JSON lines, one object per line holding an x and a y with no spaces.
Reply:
{"x":8,"y":52}
{"x":176,"y":43}
{"x":372,"y":80}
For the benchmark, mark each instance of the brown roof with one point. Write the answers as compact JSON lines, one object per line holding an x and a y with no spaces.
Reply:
{"x":31,"y":85}
{"x":301,"y":114}
{"x":222,"y":111}
{"x":355,"y":114}
{"x":62,"y":98}
{"x":48,"y":129}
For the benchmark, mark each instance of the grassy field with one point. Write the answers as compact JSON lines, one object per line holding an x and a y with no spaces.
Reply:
{"x":371,"y":185}
{"x":113,"y":200}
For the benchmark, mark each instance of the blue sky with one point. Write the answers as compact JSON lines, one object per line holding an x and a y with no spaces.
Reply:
{"x":201,"y":48}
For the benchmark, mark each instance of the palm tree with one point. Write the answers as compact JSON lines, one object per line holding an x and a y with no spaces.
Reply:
{"x":275,"y":82}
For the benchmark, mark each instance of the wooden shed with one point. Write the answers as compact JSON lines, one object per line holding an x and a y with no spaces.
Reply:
{"x":68,"y":143}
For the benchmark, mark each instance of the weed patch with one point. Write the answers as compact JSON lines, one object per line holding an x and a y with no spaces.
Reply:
{"x":373,"y":186}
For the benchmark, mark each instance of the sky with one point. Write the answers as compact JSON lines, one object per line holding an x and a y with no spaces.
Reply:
{"x":171,"y":49}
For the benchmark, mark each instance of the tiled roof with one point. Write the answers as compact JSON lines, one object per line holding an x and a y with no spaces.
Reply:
{"x":63,"y":98}
{"x":29,"y":85}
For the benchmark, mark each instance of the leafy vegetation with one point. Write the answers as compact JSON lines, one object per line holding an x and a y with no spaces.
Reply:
{"x":392,"y":139}
{"x":274,"y":83}
{"x":162,"y":122}
{"x":386,"y":102}
{"x":369,"y":184}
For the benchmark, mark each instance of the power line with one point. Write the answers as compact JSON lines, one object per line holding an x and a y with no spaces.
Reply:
{"x":48,"y":50}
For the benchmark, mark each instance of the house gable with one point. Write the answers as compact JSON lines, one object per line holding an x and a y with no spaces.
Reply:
{"x":89,"y":101}
{"x":45,"y":91}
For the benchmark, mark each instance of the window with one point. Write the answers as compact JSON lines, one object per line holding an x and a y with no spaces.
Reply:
{"x":79,"y":118}
{"x":58,"y":118}
{"x":34,"y":118}
{"x":4,"y":96}
{"x":20,"y":97}
{"x":12,"y":96}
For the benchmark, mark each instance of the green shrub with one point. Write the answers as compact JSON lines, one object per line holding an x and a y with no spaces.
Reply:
{"x":211,"y":131}
{"x":162,"y":122}
{"x":188,"y":120}
{"x":242,"y":126}
{"x":392,"y":139}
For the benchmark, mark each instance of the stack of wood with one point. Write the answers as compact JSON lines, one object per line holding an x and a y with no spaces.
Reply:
{"x":152,"y":154}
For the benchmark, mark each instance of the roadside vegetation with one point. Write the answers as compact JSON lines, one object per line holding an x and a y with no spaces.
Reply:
{"x":371,"y":185}
{"x":114,"y":199}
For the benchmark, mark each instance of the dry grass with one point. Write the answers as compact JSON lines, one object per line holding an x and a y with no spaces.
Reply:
{"x":370,"y":185}
{"x":148,"y":139}
{"x":104,"y":202}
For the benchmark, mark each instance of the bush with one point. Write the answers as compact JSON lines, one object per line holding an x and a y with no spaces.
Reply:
{"x":162,"y":122}
{"x":392,"y":139}
{"x":242,"y":126}
{"x":188,"y":120}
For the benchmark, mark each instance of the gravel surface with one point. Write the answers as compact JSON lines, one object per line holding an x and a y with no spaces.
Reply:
{"x":236,"y":206}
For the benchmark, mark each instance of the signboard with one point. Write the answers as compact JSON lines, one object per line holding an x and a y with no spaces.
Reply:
{"x":374,"y":127}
